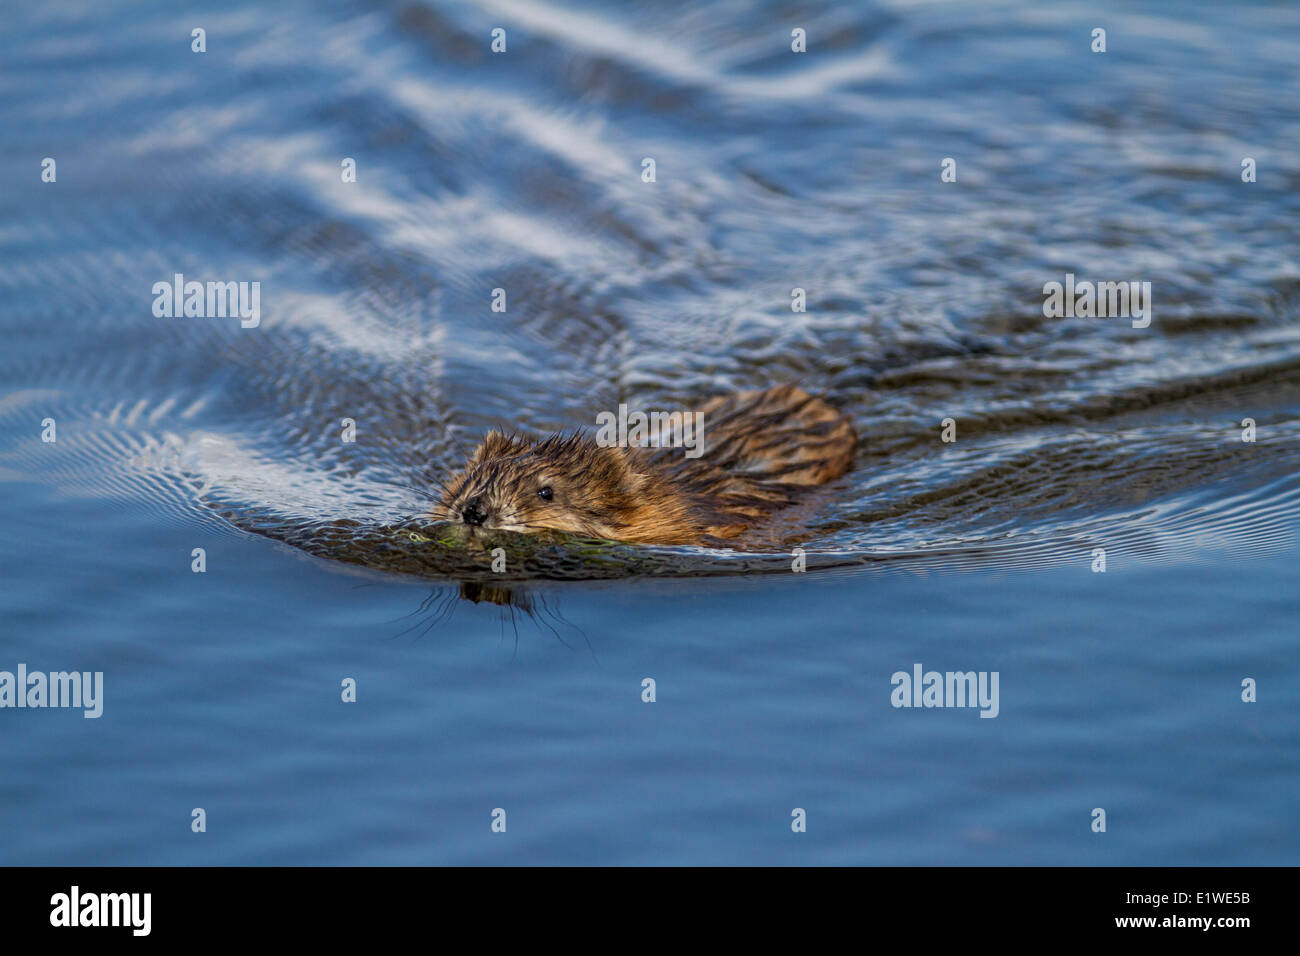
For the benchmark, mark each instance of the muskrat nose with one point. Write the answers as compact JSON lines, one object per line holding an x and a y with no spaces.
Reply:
{"x":472,"y":513}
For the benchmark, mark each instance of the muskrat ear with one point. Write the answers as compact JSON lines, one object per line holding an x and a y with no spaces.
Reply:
{"x":497,"y":444}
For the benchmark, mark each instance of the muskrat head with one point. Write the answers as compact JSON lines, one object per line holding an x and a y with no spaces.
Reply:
{"x":561,"y":483}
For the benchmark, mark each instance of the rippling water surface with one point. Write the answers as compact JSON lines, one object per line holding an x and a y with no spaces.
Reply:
{"x":774,"y":171}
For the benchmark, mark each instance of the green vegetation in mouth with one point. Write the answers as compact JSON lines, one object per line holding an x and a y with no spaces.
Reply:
{"x":548,"y":553}
{"x":450,"y":534}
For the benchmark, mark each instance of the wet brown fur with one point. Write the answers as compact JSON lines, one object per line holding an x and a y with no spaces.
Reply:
{"x":761,"y":449}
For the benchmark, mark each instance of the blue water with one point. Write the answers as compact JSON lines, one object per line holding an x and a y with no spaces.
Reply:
{"x":1118,"y":690}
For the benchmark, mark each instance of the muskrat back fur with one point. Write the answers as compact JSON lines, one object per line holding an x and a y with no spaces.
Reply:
{"x":761,"y":449}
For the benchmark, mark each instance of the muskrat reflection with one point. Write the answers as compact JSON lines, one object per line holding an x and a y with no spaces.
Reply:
{"x":516,"y":605}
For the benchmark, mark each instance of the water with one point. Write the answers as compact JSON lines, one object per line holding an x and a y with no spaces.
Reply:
{"x":774,"y":171}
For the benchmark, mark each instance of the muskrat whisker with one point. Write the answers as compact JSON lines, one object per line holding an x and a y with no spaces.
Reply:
{"x":433,"y":592}
{"x":430,"y":478}
{"x":541,"y":618}
{"x":444,"y":492}
{"x":440,"y":613}
{"x":422,"y":492}
{"x":446,"y":607}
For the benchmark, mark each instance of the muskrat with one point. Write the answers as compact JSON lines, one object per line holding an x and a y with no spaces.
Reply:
{"x":761,"y":449}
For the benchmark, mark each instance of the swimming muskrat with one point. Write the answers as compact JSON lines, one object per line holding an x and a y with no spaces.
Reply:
{"x":761,"y":448}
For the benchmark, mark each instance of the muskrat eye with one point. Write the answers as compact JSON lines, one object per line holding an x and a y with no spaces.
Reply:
{"x":545,"y":493}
